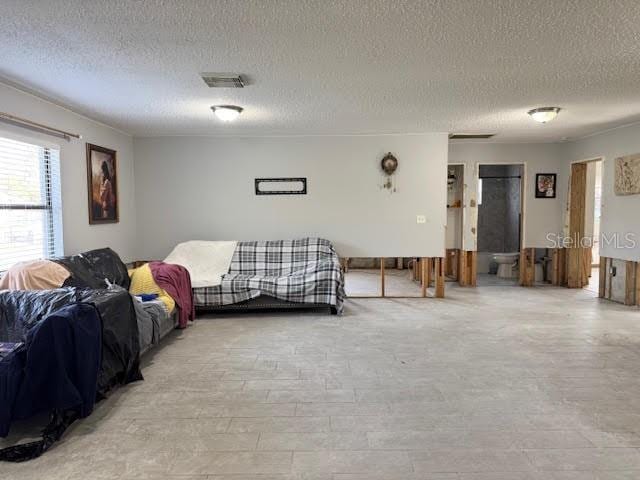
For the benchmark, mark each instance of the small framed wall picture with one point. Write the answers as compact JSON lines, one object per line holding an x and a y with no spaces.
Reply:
{"x":102,"y":184}
{"x":545,"y":185}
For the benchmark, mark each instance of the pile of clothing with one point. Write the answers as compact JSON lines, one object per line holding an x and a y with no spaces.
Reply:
{"x":73,"y":328}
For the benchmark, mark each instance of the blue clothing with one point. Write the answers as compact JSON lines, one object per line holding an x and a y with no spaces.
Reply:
{"x":57,"y":368}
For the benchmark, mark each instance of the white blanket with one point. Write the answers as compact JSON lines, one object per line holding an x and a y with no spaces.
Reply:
{"x":206,"y":261}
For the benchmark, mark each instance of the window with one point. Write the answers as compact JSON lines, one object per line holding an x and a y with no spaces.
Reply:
{"x":30,"y":206}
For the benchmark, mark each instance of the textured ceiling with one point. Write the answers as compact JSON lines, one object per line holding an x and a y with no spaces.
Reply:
{"x":332,"y":67}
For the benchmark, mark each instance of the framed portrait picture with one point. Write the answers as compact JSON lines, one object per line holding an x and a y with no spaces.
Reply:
{"x":545,"y":185}
{"x":102,"y":184}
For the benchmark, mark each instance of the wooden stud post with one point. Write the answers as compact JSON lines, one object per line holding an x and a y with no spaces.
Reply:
{"x":463,"y":274}
{"x":423,"y":262}
{"x":416,"y":269}
{"x":473,"y":270}
{"x":555,"y":267}
{"x":602,"y":282}
{"x":577,"y":200}
{"x":637,"y":283}
{"x":439,"y":273}
{"x":382,"y":276}
{"x":527,"y":267}
{"x":455,"y":263}
{"x":630,"y":283}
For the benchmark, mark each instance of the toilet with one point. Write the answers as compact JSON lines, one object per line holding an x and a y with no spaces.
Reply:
{"x":507,"y":264}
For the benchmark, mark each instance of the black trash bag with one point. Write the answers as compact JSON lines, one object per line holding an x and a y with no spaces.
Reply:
{"x":90,"y":269}
{"x":58,"y":366}
{"x":51,"y":434}
{"x":22,"y":310}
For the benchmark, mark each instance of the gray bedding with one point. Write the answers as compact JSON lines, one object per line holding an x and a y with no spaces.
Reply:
{"x":154,"y":322}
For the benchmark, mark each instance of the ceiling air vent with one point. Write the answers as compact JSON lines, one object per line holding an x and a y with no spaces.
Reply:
{"x":223,"y":80}
{"x":467,"y":136}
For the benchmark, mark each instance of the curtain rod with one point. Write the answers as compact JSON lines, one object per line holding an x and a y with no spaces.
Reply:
{"x":21,"y":122}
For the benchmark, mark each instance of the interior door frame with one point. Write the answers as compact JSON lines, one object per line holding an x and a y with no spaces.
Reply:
{"x":576,"y":255}
{"x":463,"y":200}
{"x":523,"y":201}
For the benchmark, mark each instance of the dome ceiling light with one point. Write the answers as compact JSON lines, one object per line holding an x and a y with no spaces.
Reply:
{"x":227,"y":113}
{"x":544,"y":114}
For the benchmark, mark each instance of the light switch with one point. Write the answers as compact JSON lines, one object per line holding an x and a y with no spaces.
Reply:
{"x":421,"y":219}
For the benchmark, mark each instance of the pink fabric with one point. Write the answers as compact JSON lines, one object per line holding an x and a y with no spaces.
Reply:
{"x":175,"y":280}
{"x":34,"y":275}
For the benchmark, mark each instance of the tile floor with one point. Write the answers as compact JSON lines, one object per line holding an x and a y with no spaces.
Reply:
{"x":489,"y":384}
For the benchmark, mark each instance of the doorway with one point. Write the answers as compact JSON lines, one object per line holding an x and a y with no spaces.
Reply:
{"x":499,"y":229}
{"x":583,"y":252}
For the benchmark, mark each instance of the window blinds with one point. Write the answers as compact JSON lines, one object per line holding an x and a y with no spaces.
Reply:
{"x":30,"y":203}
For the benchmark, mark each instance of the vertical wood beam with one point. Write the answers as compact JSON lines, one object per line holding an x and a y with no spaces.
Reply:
{"x":602,"y":282}
{"x":423,"y":263}
{"x":577,"y":201}
{"x":462,"y":269}
{"x":382,"y":276}
{"x":527,"y":267}
{"x":637,"y":283}
{"x":473,"y":270}
{"x":428,"y":265}
{"x":555,"y":266}
{"x":416,"y":269}
{"x":439,"y":273}
{"x":630,"y":283}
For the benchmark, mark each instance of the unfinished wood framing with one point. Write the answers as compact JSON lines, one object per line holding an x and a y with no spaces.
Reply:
{"x":631,"y":293}
{"x":421,"y":271}
{"x":630,"y":283}
{"x":637,"y":283}
{"x":602,"y":282}
{"x":452,"y":263}
{"x":576,"y":274}
{"x":439,"y":276}
{"x":527,"y":267}
{"x":467,"y":268}
{"x":559,"y":266}
{"x":382,"y":276}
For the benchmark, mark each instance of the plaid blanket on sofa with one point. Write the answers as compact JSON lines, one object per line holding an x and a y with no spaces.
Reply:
{"x":299,"y":271}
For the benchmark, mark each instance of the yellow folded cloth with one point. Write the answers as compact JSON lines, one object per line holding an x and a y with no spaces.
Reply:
{"x":142,"y":282}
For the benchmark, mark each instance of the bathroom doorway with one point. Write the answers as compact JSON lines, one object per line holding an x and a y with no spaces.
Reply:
{"x":499,"y":224}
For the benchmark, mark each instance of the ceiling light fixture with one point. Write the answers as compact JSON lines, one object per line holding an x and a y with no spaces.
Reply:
{"x":544,"y":114}
{"x":227,"y":113}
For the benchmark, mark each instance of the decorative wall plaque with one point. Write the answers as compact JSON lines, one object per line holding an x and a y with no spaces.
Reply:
{"x":281,"y":186}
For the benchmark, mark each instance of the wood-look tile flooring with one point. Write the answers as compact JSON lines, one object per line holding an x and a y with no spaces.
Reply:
{"x":488,"y":384}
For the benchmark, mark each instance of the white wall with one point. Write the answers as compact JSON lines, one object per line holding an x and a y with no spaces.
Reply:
{"x":620,"y":214}
{"x":541,"y":216}
{"x":78,"y":234}
{"x":203,"y":188}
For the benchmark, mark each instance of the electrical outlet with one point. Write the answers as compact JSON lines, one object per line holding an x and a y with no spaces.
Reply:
{"x":421,"y":219}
